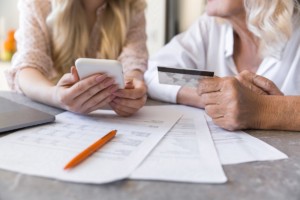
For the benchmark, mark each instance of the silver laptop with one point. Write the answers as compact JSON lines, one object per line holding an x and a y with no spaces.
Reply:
{"x":15,"y":116}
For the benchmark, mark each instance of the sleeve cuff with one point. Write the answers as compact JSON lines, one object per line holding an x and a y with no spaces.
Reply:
{"x":162,"y":92}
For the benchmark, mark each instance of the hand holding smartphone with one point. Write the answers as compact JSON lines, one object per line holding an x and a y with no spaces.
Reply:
{"x":88,"y":66}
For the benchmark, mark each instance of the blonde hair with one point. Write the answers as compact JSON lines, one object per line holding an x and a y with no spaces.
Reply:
{"x":70,"y":35}
{"x":272,"y":22}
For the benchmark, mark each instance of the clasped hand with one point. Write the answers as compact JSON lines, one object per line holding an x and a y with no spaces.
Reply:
{"x":236,"y":102}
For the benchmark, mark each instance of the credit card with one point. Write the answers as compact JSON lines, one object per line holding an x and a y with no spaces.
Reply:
{"x":182,"y":77}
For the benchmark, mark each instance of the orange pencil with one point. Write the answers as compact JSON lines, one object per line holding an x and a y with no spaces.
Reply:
{"x":90,"y":150}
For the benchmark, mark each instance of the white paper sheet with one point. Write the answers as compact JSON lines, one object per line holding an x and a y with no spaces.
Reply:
{"x":240,"y":147}
{"x":186,"y":153}
{"x":45,"y":150}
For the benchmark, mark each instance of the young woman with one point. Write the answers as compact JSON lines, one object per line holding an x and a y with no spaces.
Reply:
{"x":253,"y":48}
{"x":54,"y":33}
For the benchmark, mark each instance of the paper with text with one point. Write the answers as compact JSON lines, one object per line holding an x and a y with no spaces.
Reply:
{"x":186,"y":154}
{"x":240,"y":147}
{"x":44,"y":150}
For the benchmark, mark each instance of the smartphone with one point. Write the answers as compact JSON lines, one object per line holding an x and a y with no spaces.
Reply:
{"x":89,"y":66}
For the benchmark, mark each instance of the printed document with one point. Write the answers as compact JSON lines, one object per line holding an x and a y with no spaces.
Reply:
{"x":239,"y":147}
{"x":186,"y":154}
{"x":45,"y":150}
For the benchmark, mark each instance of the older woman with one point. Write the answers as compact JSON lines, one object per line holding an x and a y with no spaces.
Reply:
{"x":54,"y":33}
{"x":253,"y":48}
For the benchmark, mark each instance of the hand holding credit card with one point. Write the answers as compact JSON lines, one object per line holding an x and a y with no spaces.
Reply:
{"x":182,"y":77}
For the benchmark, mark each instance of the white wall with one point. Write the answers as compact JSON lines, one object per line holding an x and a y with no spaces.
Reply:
{"x":156,"y":22}
{"x":189,"y":11}
{"x":9,"y":14}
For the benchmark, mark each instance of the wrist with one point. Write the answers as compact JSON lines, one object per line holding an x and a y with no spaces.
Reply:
{"x":270,"y":115}
{"x":188,"y":96}
{"x":260,"y":115}
{"x":134,"y":74}
{"x":53,"y":96}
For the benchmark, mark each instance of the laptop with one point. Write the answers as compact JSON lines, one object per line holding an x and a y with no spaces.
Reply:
{"x":16,"y":116}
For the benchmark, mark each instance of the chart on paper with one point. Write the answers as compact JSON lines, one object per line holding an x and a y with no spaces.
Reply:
{"x":73,"y":136}
{"x":44,"y":150}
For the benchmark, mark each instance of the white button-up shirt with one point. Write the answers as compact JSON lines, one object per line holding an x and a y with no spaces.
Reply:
{"x":208,"y":45}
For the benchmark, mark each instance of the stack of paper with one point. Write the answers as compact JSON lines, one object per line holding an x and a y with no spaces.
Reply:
{"x":186,"y":153}
{"x":171,"y":143}
{"x":175,"y":159}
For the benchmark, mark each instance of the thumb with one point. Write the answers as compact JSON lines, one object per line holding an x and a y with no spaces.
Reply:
{"x":129,"y":84}
{"x":69,"y":78}
{"x":74,"y":74}
{"x":267,"y":85}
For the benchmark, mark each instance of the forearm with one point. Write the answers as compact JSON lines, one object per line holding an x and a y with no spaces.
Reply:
{"x":188,"y":96}
{"x":36,"y":86}
{"x":279,"y":113}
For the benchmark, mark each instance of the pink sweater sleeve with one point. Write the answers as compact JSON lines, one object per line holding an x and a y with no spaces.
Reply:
{"x":134,"y":54}
{"x":33,"y":41}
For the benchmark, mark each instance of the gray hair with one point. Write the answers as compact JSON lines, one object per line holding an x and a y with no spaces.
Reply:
{"x":272,"y":21}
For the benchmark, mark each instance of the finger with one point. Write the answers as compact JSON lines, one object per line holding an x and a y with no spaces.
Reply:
{"x":131,"y":103}
{"x":84,"y":105}
{"x":123,"y":108}
{"x":129,"y":93}
{"x":138,"y":91}
{"x":97,"y":98}
{"x":224,"y":123}
{"x":81,"y":102}
{"x":106,"y":87}
{"x":211,"y":98}
{"x":261,"y":83}
{"x":247,"y":82}
{"x":267,"y":85}
{"x":63,"y":92}
{"x":75,"y":73}
{"x":122,"y":111}
{"x":99,"y":105}
{"x":66,"y":80}
{"x":80,"y":88}
{"x":208,"y":85}
{"x":135,"y":93}
{"x":123,"y":114}
{"x":129,"y":85}
{"x":127,"y":106}
{"x":70,"y":78}
{"x":215,"y":111}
